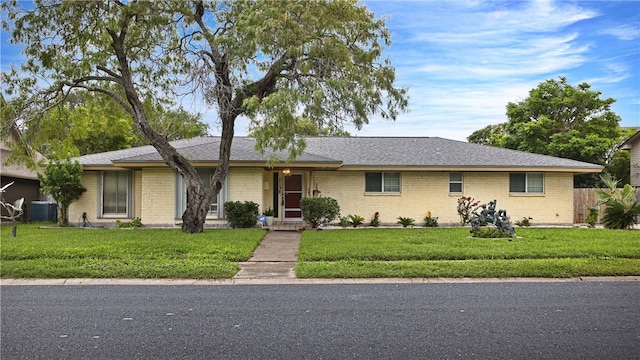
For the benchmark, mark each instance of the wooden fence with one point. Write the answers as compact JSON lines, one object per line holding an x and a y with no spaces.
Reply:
{"x":582,"y":200}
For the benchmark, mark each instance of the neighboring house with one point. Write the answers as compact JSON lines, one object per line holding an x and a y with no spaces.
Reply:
{"x":633,"y":145}
{"x":391,"y":175}
{"x":25,"y":181}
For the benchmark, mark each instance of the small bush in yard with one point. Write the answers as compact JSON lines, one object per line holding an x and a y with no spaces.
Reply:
{"x":133,"y":224}
{"x":592,"y":218}
{"x":319,"y":210}
{"x":355,"y":220}
{"x":430,"y":221}
{"x":466,"y":207}
{"x":405,"y":221}
{"x":375,"y":220}
{"x":526,"y":221}
{"x":490,"y":232}
{"x":241,"y":215}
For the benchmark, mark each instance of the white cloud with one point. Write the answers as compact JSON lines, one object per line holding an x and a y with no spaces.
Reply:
{"x":623,"y":32}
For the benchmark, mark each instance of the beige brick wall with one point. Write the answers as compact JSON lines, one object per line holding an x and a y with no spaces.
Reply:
{"x":423,"y":191}
{"x":246,"y":185}
{"x":154,"y":198}
{"x":88,"y":201}
{"x":158,"y":196}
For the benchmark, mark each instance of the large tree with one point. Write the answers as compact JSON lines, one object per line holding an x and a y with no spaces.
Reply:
{"x":89,"y":123}
{"x":281,"y":63}
{"x":561,"y":120}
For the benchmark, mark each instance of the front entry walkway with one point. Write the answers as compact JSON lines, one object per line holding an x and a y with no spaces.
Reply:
{"x":274,"y":258}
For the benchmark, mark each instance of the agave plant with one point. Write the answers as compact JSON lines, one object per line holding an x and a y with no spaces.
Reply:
{"x":622,"y":208}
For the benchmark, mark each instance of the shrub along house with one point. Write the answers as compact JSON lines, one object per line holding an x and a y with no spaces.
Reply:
{"x":395,"y":176}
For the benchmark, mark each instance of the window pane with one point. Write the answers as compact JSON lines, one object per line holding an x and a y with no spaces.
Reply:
{"x":114,"y":192}
{"x":517,"y":182}
{"x":205,"y":175}
{"x":109,"y":192}
{"x":455,"y":182}
{"x":123,"y":182}
{"x":535,"y":183}
{"x":391,"y":182}
{"x":373,"y":182}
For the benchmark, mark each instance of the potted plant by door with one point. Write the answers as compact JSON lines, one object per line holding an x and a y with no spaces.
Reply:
{"x":269,"y":215}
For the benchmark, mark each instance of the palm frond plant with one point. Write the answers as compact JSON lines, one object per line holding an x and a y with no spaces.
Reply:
{"x":622,"y":208}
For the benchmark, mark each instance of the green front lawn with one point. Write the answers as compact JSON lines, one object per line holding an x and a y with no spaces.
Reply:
{"x":450,"y":252}
{"x":139,"y":253}
{"x":359,"y":253}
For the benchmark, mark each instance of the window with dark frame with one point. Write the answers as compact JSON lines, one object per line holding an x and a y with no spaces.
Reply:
{"x":382,"y":182}
{"x":526,"y":183}
{"x":455,"y":182}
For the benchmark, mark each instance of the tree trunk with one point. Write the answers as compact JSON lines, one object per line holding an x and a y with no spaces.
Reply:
{"x":198,"y":198}
{"x":62,"y":216}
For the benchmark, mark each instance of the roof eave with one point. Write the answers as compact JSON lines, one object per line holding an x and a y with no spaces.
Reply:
{"x":578,"y":170}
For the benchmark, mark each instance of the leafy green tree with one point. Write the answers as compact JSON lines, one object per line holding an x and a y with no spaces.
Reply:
{"x":62,"y":180}
{"x":561,"y":120}
{"x":492,"y":135}
{"x":280,"y":63}
{"x":173,"y":124}
{"x":89,"y":123}
{"x":619,"y":166}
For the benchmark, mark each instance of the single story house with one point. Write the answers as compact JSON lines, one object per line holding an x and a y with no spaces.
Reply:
{"x":633,"y":145}
{"x":395,"y":176}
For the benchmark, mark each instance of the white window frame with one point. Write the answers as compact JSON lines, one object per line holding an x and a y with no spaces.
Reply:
{"x":382,"y":176}
{"x":128,"y":213}
{"x":527,"y":183}
{"x":452,"y":182}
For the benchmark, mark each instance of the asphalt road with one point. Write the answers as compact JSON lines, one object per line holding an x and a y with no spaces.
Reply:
{"x":405,"y":321}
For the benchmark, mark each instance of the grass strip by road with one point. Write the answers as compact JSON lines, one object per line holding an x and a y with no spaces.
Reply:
{"x":450,"y":252}
{"x":138,"y":253}
{"x":549,"y":268}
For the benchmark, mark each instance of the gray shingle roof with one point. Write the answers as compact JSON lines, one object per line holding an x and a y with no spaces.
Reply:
{"x":354,"y":151}
{"x":430,"y":151}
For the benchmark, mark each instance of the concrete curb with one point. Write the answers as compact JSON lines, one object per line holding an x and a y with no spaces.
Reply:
{"x":295,"y":281}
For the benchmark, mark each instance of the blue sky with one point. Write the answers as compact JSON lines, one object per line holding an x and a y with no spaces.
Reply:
{"x":463,"y":61}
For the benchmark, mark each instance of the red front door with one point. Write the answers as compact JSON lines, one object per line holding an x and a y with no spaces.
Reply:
{"x":292,"y":196}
